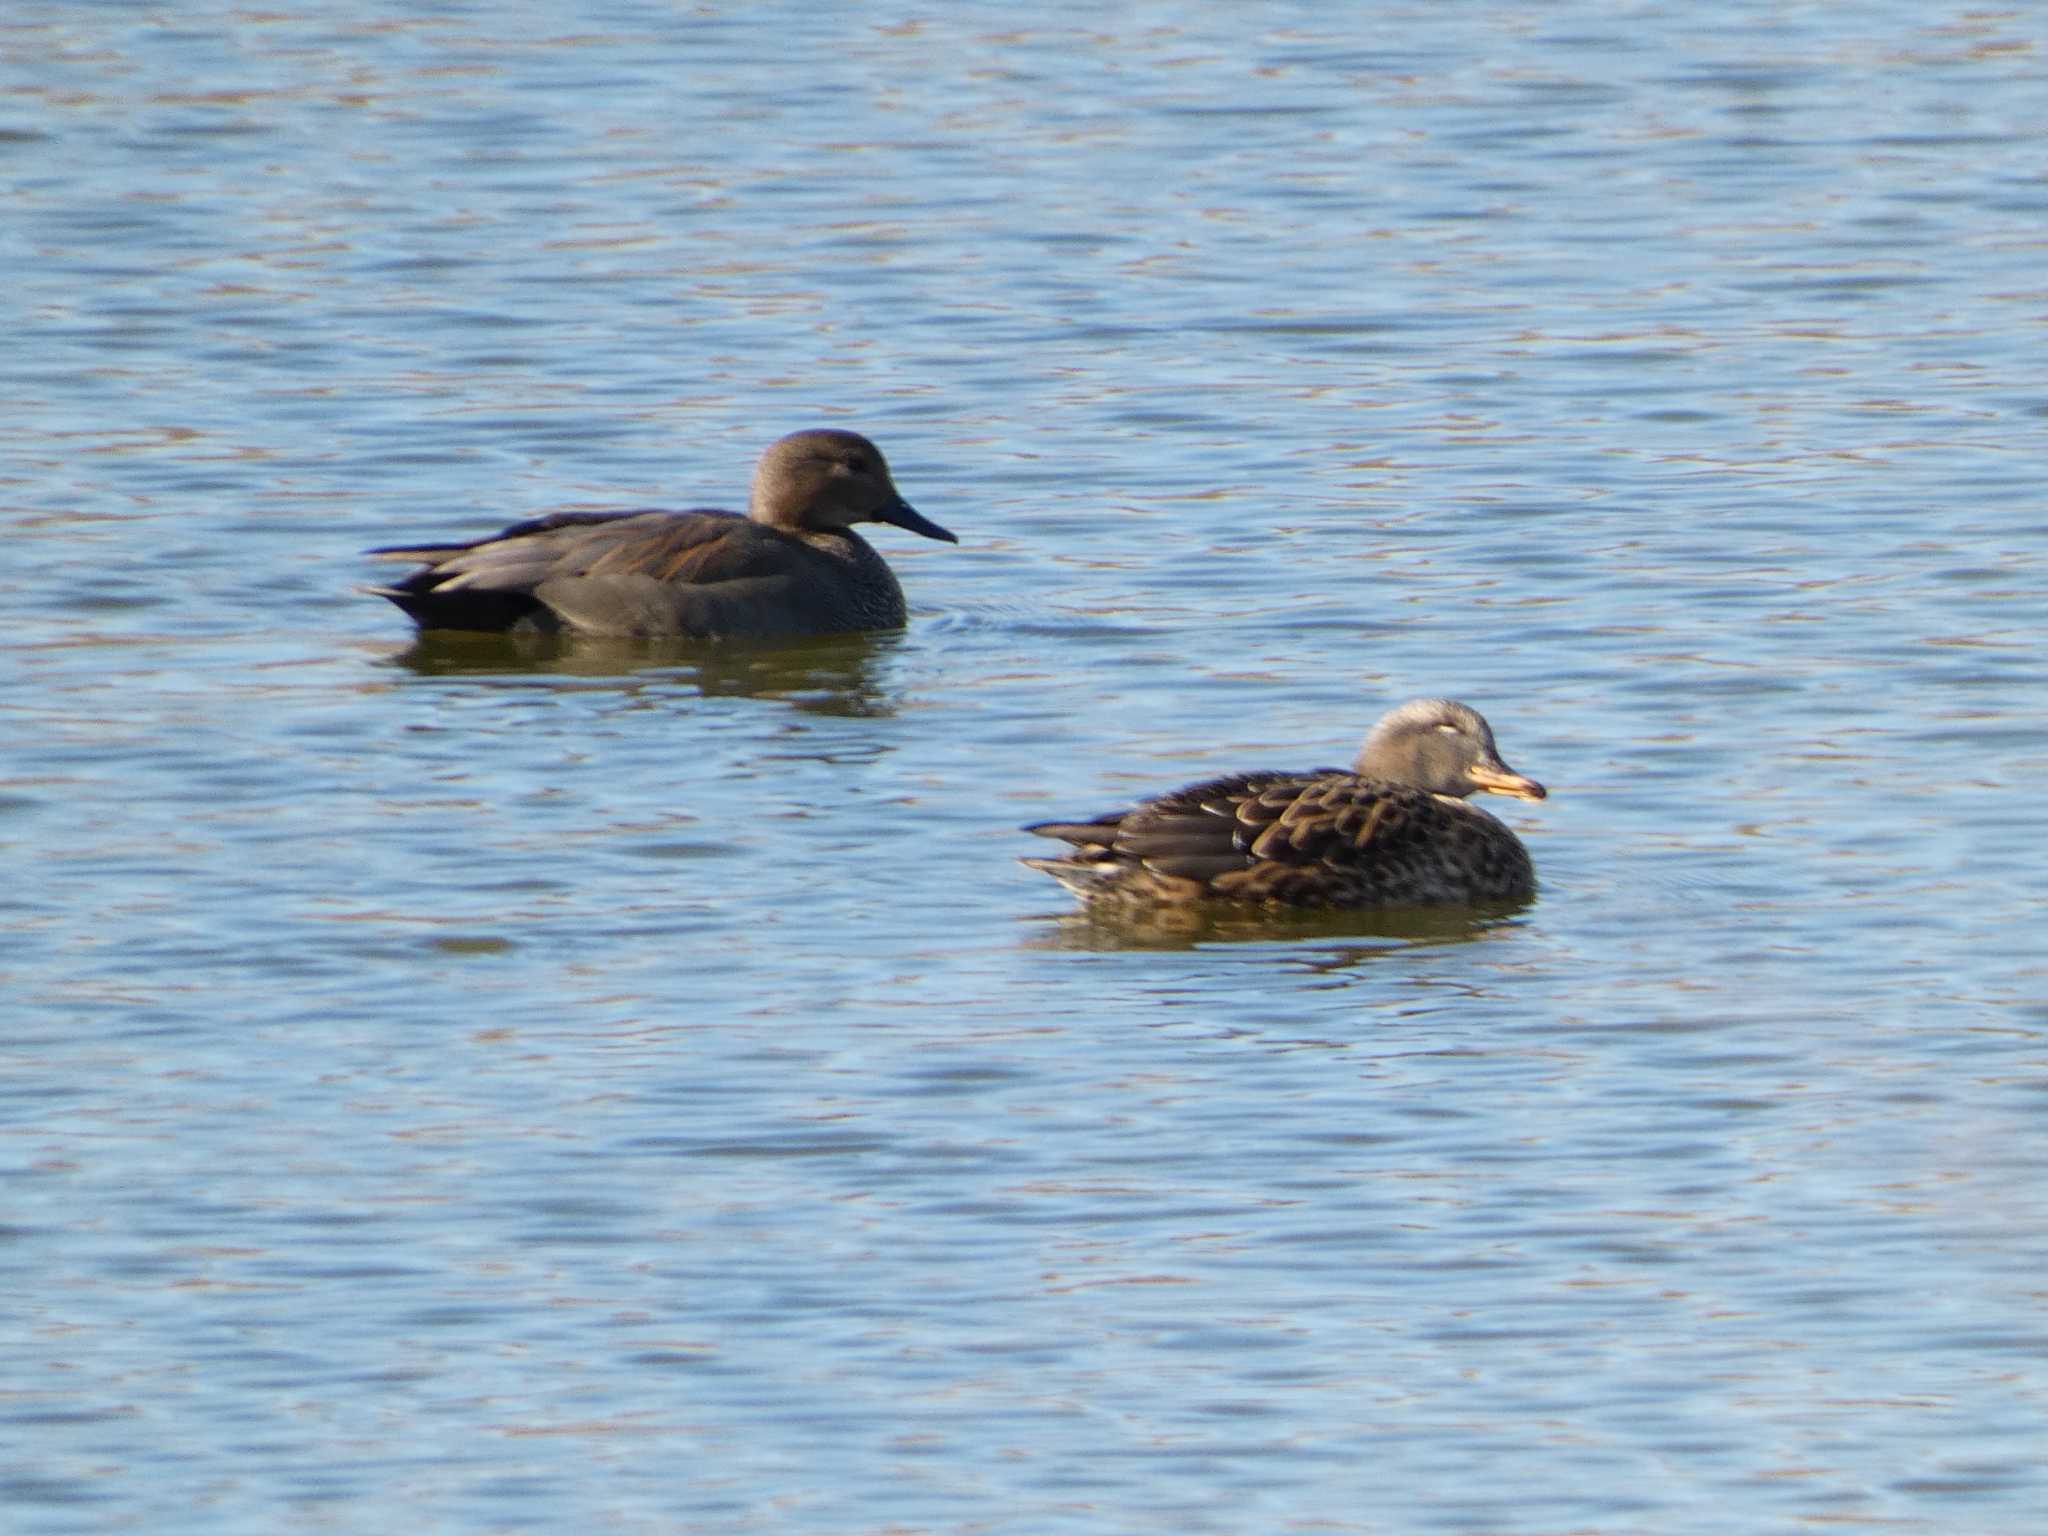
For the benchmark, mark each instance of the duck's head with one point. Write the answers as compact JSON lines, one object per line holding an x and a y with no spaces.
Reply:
{"x":826,"y":480}
{"x":1444,"y":747}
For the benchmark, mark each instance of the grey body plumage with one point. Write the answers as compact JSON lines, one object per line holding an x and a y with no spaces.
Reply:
{"x":792,"y":565}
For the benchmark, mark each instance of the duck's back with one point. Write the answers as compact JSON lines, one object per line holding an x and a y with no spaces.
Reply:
{"x":1323,"y":838}
{"x":696,"y":574}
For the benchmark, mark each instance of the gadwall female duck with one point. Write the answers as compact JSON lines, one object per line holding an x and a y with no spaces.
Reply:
{"x":1394,"y":830}
{"x":791,"y":566}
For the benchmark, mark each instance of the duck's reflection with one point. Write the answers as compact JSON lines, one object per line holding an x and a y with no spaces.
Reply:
{"x":1370,"y":932}
{"x":838,"y":675}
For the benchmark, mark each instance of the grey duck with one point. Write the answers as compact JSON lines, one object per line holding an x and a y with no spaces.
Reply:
{"x":1395,"y":829}
{"x":791,"y":566}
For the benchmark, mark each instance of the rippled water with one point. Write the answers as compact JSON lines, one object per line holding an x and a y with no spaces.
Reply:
{"x":476,"y":1088}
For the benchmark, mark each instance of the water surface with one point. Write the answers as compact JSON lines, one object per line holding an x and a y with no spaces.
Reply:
{"x":636,"y":1088}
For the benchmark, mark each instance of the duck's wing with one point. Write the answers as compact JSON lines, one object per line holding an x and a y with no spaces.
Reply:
{"x":1196,"y":833}
{"x":620,"y":573}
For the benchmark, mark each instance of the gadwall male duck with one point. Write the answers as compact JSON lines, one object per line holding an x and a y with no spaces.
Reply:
{"x":1393,"y":830}
{"x":791,"y":566}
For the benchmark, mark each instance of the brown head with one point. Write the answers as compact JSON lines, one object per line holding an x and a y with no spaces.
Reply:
{"x":827,"y":480}
{"x":1442,"y":746}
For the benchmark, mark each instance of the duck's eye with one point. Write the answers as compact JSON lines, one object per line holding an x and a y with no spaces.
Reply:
{"x":1450,"y":730}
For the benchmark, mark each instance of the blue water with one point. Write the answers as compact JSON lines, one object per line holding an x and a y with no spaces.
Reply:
{"x":632,"y":1089}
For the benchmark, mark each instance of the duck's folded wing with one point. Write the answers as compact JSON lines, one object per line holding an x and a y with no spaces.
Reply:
{"x":1207,"y":829}
{"x":1221,"y":827}
{"x":620,"y":573}
{"x":564,"y":545}
{"x":1340,"y":818}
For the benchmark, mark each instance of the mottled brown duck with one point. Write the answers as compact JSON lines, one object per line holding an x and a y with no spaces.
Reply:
{"x":792,"y":565}
{"x":1395,"y":829}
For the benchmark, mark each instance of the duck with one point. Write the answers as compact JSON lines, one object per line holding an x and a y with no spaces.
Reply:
{"x":1395,"y":829}
{"x":790,"y":566}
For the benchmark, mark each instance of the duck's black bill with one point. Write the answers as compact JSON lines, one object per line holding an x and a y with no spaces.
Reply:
{"x":904,"y":515}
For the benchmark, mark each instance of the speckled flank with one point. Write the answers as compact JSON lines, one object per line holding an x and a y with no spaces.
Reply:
{"x":1394,"y":830}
